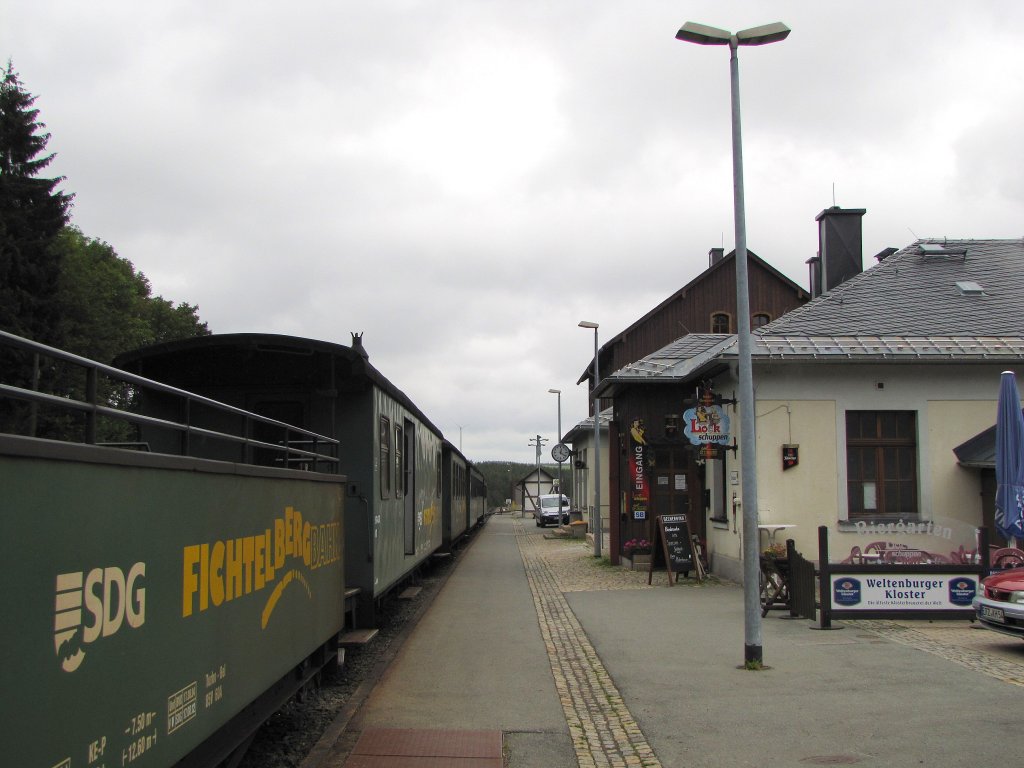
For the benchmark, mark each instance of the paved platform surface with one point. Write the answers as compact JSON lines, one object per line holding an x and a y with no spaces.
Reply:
{"x":576,"y":663}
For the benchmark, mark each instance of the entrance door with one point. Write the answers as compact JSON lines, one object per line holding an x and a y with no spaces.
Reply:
{"x":673,"y":487}
{"x":672,"y":483}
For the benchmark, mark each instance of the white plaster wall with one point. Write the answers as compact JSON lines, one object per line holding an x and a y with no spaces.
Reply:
{"x":806,"y":404}
{"x":584,"y":441}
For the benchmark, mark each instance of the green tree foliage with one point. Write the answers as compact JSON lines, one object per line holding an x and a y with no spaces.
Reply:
{"x":106,"y":307}
{"x":63,"y":289}
{"x":501,"y":476}
{"x":32,"y":215}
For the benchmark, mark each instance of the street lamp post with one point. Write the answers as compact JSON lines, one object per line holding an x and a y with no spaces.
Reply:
{"x":558,"y":440}
{"x":704,"y":35}
{"x":597,"y":448}
{"x":538,"y":443}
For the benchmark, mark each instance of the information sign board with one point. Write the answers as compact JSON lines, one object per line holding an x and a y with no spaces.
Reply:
{"x":673,"y":547}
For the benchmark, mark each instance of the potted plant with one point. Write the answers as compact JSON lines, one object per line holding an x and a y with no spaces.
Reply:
{"x":638,"y":551}
{"x":776,"y":552}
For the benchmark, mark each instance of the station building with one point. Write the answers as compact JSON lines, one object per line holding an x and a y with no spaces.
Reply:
{"x":872,"y":405}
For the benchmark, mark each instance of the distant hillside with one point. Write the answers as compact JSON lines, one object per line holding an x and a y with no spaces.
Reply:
{"x":501,"y":475}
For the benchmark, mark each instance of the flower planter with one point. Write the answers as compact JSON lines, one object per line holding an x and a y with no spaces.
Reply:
{"x":641,"y":561}
{"x":637,"y":561}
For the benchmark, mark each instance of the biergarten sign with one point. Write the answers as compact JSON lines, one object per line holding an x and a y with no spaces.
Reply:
{"x":903,"y":591}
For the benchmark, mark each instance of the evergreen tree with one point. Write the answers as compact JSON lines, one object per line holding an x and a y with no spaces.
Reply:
{"x":32,"y":215}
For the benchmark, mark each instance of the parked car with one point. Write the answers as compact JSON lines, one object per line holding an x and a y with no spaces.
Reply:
{"x":1000,"y":606}
{"x":550,"y":512}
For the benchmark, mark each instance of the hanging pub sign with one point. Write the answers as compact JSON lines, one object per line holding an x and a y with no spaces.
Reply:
{"x":706,"y":425}
{"x":790,"y":455}
{"x":639,"y":486}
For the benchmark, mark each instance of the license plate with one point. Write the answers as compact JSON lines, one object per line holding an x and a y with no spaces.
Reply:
{"x":992,"y":614}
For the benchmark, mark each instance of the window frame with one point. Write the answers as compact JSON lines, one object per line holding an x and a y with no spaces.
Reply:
{"x":384,"y":456}
{"x":887,"y":460}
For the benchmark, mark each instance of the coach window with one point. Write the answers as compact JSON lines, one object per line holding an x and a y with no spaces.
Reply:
{"x":399,"y":466}
{"x":721,"y":323}
{"x":881,"y":464}
{"x":385,"y":457}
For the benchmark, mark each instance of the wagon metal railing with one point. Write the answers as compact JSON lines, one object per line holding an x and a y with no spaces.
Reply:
{"x":22,"y":380}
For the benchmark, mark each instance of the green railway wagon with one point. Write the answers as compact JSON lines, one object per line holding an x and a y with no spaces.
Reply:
{"x":158,"y":607}
{"x":455,"y":495}
{"x":389,"y":451}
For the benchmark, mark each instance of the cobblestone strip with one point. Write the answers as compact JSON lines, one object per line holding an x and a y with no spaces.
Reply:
{"x":604,"y":733}
{"x":972,"y":658}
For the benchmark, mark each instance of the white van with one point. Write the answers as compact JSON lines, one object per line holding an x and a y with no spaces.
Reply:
{"x":550,"y":511}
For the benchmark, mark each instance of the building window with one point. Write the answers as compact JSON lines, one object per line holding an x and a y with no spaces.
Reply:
{"x":759,"y":319}
{"x":400,"y":468}
{"x":384,"y":436}
{"x":881,"y":464}
{"x":721,"y":323}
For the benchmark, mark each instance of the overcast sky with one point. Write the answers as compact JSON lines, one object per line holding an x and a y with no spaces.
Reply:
{"x":463,"y":182}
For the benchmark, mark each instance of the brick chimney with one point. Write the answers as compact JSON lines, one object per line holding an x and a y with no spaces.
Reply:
{"x":840,"y":248}
{"x":715,"y":255}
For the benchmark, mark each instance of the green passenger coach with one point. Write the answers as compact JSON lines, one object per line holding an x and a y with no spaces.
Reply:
{"x":156,"y":598}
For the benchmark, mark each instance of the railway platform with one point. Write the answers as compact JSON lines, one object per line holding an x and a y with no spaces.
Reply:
{"x":535,"y":654}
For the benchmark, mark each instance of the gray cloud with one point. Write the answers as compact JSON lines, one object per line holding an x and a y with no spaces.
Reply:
{"x":465,"y":181}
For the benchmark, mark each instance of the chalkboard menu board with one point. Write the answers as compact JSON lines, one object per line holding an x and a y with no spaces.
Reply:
{"x":673,"y":547}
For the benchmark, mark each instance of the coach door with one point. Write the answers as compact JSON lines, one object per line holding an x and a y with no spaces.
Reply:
{"x":409,"y":485}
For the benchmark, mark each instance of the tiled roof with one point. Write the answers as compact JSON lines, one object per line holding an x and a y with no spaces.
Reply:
{"x":679,"y":358}
{"x":919,"y":347}
{"x":935,"y":300}
{"x":586,"y":426}
{"x":916,"y":294}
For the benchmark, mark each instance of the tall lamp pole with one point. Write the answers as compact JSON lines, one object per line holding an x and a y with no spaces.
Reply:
{"x":538,"y":442}
{"x":596,"y":518}
{"x":558,"y":439}
{"x":701,"y":34}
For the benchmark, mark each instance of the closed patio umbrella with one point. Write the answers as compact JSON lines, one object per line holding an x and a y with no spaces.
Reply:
{"x":1009,"y":461}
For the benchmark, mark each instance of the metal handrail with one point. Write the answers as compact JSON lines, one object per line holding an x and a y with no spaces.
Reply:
{"x":93,"y":409}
